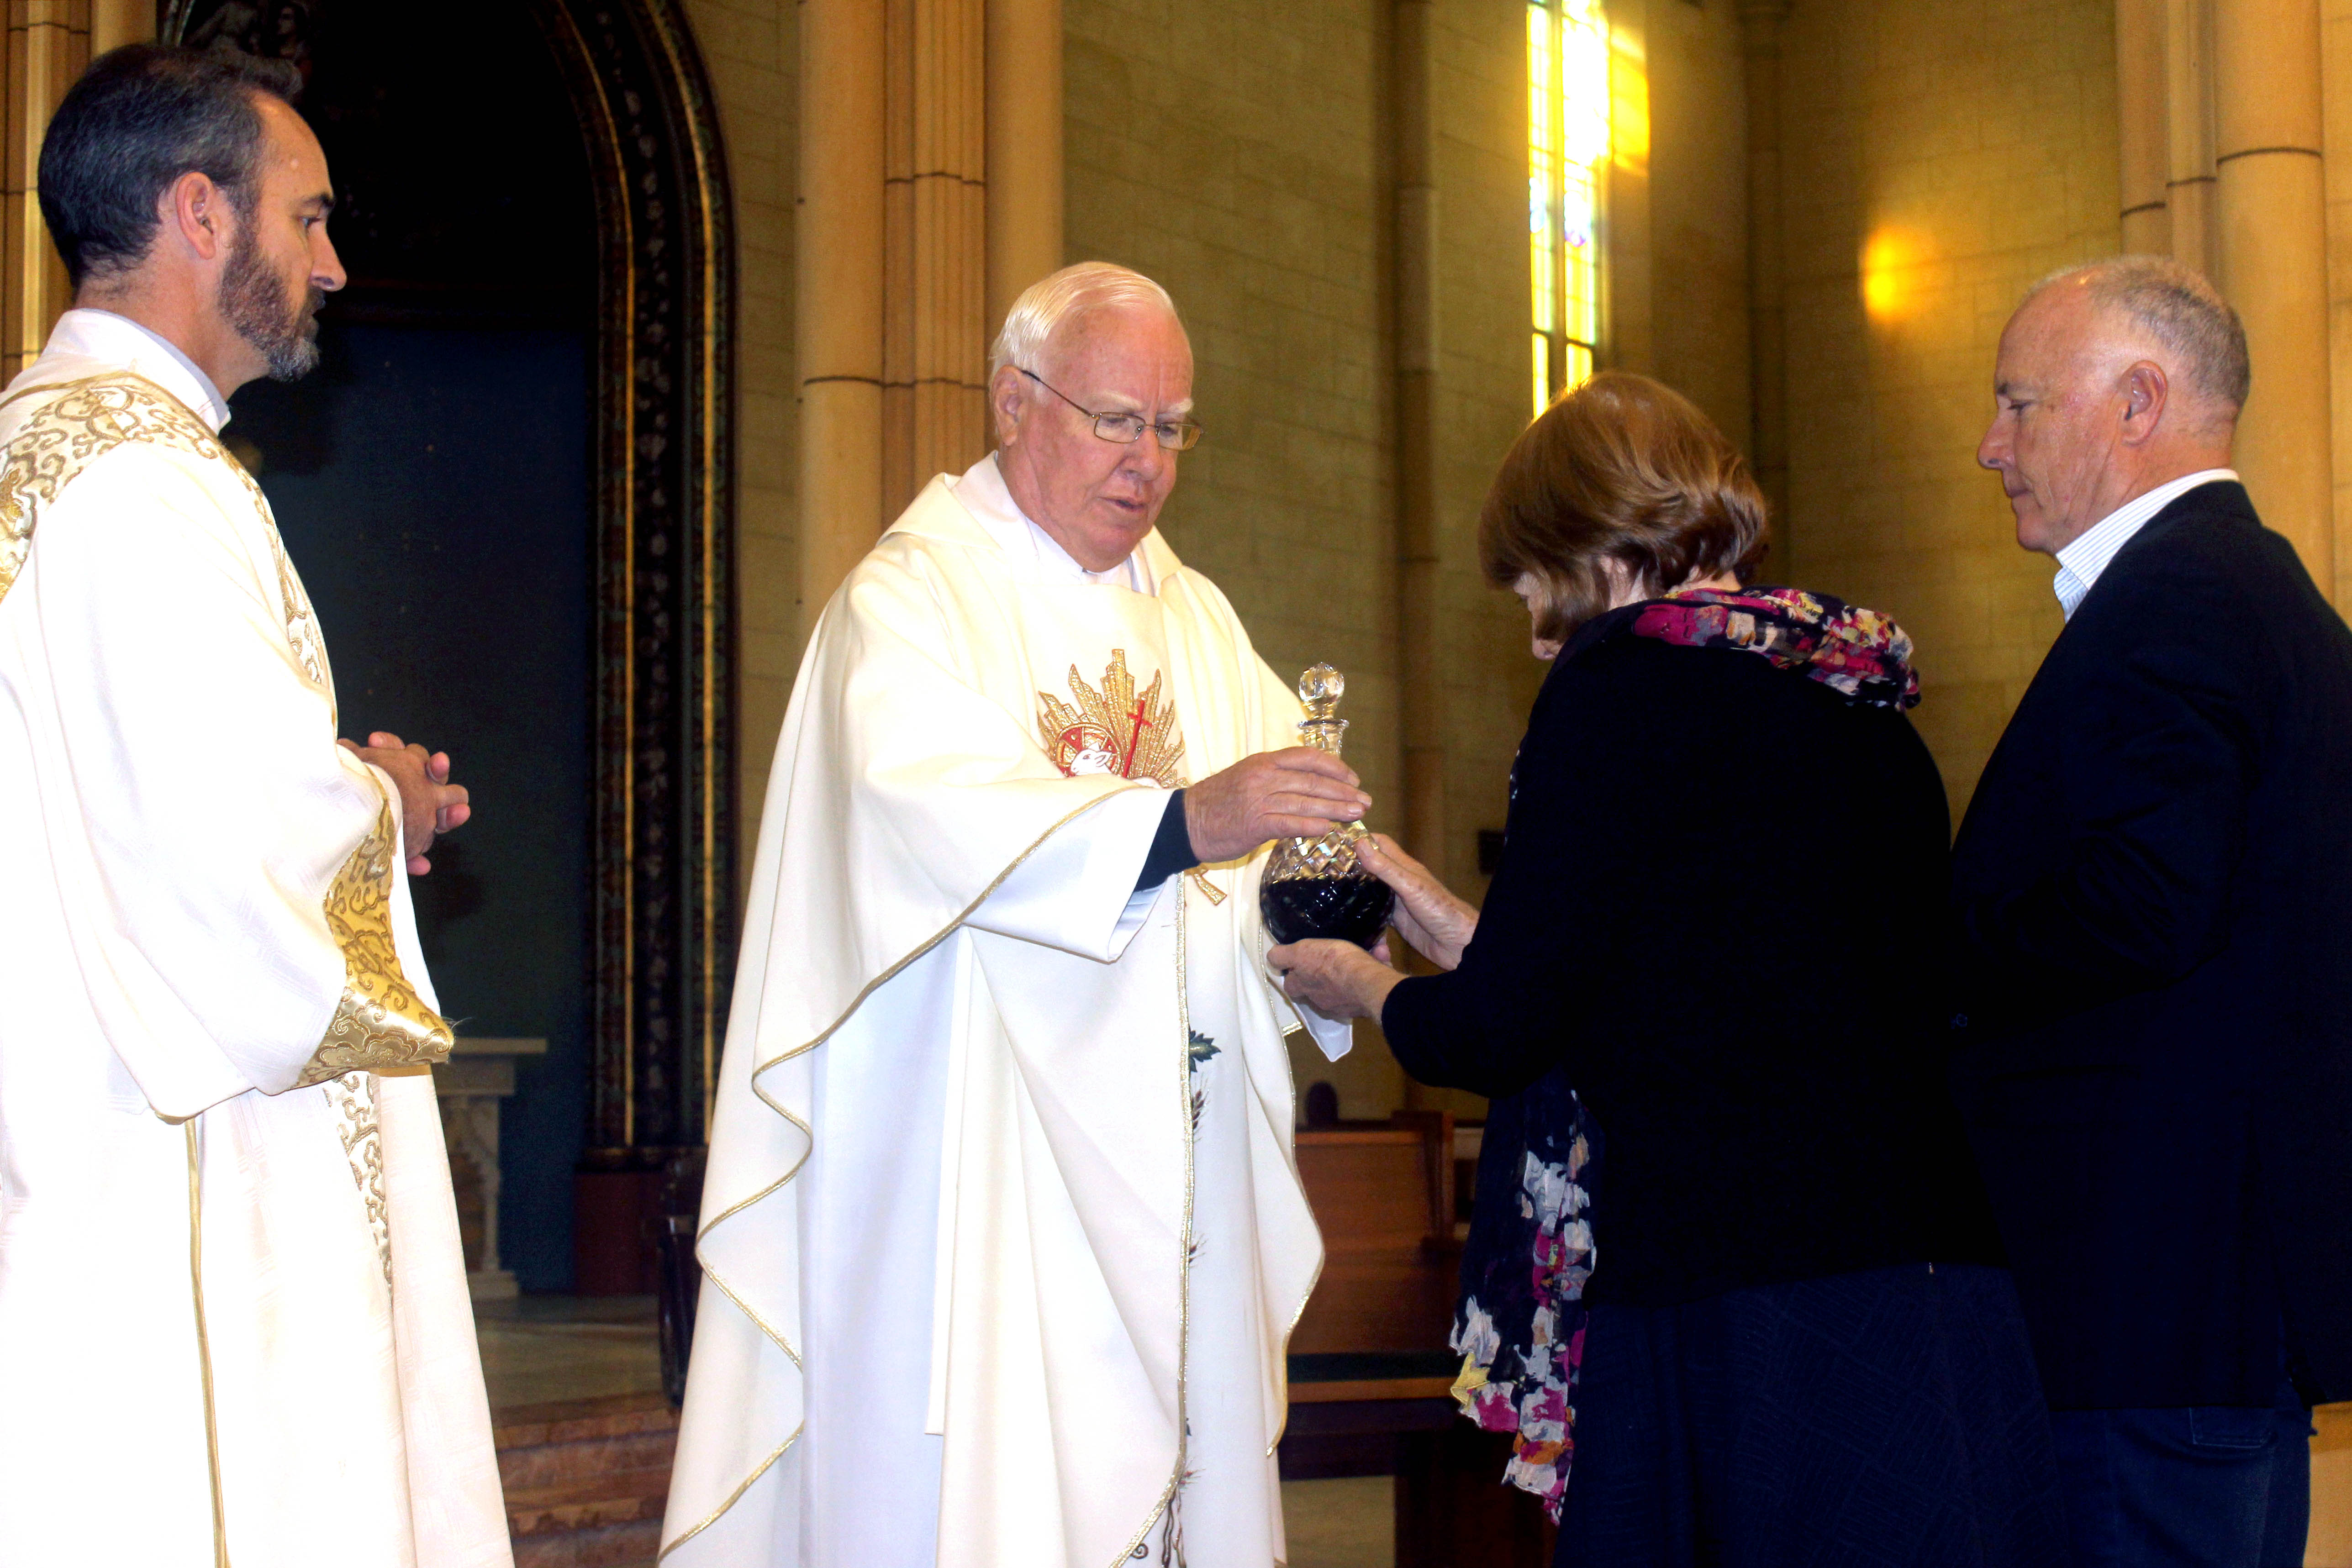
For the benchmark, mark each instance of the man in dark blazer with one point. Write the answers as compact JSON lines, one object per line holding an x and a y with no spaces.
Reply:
{"x":2153,"y":938}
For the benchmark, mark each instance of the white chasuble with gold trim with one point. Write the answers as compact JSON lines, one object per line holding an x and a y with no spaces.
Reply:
{"x":234,"y":1320}
{"x":1003,"y":1238}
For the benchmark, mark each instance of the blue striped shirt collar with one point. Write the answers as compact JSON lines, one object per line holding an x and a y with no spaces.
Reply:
{"x":2080,"y":562}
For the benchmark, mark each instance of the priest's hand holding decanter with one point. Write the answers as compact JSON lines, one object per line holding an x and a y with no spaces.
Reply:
{"x":1270,"y":795}
{"x":1367,"y":882}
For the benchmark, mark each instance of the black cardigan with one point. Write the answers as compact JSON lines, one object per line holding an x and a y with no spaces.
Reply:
{"x":1717,"y":907}
{"x":2154,"y":943}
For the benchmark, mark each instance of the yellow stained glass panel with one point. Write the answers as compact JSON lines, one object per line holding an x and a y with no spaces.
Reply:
{"x":1579,"y":368}
{"x":1569,"y":130}
{"x":1541,"y":265}
{"x":1584,"y":82}
{"x":1540,"y":28}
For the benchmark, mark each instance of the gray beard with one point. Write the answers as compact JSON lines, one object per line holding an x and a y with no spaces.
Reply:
{"x":253,"y":301}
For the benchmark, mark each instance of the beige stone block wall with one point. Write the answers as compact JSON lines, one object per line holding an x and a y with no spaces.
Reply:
{"x":1939,"y":156}
{"x":749,"y":50}
{"x":1697,"y":335}
{"x":1238,"y":158}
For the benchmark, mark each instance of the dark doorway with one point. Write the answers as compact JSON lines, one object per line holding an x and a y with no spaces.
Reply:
{"x":435,"y":484}
{"x":516,"y":467}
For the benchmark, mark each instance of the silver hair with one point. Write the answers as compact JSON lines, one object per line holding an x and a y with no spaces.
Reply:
{"x":1053,"y":301}
{"x":2179,"y":309}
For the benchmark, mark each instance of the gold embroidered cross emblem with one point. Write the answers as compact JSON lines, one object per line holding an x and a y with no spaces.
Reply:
{"x":1116,"y":730}
{"x":1113,"y":730}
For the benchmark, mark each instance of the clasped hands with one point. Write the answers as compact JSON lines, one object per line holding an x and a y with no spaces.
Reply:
{"x":429,"y":804}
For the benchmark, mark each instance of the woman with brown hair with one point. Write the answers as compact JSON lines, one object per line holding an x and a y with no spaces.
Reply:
{"x":1702,"y":994}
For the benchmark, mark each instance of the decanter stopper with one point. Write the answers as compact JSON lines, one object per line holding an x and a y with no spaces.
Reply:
{"x":1320,"y":689}
{"x":1315,"y":887}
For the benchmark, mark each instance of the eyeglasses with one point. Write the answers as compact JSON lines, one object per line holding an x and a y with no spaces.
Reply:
{"x":1127,"y":429}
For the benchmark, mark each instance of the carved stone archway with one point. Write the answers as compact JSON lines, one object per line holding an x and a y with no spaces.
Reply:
{"x":664,"y":798}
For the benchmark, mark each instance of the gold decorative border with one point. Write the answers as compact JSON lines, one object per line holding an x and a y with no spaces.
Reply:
{"x":380,"y":1022}
{"x":1184,"y":1242}
{"x":203,"y":1341}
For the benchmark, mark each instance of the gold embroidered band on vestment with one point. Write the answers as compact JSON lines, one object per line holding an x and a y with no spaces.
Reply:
{"x":381,"y":1022}
{"x":203,"y":1341}
{"x":1115,"y":731}
{"x":83,"y":422}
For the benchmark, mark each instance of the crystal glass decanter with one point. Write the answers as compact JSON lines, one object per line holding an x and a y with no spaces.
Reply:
{"x":1314,"y":887}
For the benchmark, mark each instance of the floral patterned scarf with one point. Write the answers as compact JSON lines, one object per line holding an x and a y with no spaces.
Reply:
{"x":1520,"y":1327}
{"x":1859,"y":653}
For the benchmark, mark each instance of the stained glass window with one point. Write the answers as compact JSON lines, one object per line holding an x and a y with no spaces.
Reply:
{"x":1567,"y":146}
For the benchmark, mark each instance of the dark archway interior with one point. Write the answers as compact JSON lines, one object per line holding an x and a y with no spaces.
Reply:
{"x":434,"y":483}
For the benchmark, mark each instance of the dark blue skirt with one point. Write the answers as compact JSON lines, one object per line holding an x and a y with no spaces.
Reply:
{"x":1891,"y":1417}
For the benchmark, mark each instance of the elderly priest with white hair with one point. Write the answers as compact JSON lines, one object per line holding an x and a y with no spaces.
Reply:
{"x":1001,"y":1236}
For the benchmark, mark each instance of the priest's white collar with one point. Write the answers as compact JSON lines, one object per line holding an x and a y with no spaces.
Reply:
{"x":982,"y":489}
{"x":118,"y":339}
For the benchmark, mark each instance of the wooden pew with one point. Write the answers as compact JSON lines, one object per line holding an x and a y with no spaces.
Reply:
{"x":1383,"y":1196}
{"x":1369,"y":1371}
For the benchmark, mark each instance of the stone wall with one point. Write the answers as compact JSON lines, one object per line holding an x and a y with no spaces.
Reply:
{"x":1696,"y":338}
{"x":1237,"y":157}
{"x":1939,"y":157}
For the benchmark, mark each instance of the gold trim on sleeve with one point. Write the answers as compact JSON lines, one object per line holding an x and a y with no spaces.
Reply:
{"x":380,"y":1021}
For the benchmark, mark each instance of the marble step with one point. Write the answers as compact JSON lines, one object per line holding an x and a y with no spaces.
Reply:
{"x":586,"y":1480}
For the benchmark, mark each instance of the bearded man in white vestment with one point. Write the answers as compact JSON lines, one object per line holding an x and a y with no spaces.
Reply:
{"x":1003,"y":1238}
{"x":234,"y":1323}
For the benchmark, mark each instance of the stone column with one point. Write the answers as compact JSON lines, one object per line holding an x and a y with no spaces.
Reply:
{"x":114,"y":22}
{"x":2144,"y":147}
{"x":1420,"y":671}
{"x":934,"y":347}
{"x":2271,"y":228}
{"x":2189,"y":131}
{"x":837,"y":295}
{"x":1025,"y":149}
{"x":479,"y":1074}
{"x":1767,"y":328}
{"x":48,"y":45}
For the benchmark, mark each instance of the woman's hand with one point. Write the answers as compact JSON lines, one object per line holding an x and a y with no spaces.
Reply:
{"x":1338,"y":980}
{"x":1438,"y":925}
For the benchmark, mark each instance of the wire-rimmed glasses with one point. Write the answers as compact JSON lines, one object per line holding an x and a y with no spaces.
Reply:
{"x":1127,"y":429}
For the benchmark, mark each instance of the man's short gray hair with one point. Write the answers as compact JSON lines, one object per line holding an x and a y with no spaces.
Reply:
{"x":1046,"y":304}
{"x":2176,"y":306}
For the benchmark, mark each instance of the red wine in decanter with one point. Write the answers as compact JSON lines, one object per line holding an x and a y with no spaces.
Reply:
{"x":1316,"y":887}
